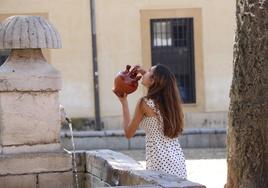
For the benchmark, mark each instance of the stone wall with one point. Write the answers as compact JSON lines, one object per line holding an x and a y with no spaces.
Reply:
{"x":32,"y":170}
{"x":106,"y":167}
{"x":99,"y":168}
{"x":191,"y":138}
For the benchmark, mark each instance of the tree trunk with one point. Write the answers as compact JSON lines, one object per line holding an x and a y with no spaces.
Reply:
{"x":247,"y":139}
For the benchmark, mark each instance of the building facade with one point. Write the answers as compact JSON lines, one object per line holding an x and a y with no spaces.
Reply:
{"x":194,"y":38}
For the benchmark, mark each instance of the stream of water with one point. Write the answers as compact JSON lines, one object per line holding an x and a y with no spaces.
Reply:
{"x":95,"y":181}
{"x":73,"y":155}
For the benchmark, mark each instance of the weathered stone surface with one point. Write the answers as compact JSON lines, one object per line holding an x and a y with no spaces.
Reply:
{"x":128,"y":178}
{"x":158,"y":178}
{"x":117,"y":169}
{"x":206,"y":119}
{"x":81,"y":180}
{"x":27,"y":70}
{"x":35,"y":163}
{"x":28,"y":32}
{"x":18,"y":181}
{"x":106,"y":164}
{"x":110,"y":158}
{"x":32,"y":148}
{"x":57,"y":180}
{"x":29,"y":118}
{"x":80,"y":158}
{"x":93,"y":181}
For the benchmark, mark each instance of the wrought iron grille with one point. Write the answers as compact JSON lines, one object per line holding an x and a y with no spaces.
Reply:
{"x":3,"y":56}
{"x":172,"y":42}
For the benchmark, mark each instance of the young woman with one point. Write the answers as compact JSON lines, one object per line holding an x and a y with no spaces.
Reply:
{"x":160,"y":114}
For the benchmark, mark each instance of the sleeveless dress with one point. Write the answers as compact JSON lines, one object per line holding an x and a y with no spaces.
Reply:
{"x":162,"y":153}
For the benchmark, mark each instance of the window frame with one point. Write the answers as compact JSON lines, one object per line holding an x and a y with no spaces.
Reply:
{"x":196,"y":14}
{"x":182,"y":69}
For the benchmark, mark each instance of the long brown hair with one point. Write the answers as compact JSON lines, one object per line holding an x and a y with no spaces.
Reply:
{"x":164,"y":92}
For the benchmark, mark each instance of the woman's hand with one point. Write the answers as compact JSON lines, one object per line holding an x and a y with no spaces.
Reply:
{"x":141,"y":70}
{"x":123,"y":99}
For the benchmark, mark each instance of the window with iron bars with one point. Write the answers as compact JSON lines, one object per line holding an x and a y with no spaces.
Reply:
{"x":3,"y":56}
{"x":172,"y":44}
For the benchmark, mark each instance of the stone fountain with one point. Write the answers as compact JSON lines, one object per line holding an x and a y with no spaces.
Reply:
{"x":31,"y":155}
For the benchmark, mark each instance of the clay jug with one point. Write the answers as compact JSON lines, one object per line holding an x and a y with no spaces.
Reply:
{"x":126,"y":81}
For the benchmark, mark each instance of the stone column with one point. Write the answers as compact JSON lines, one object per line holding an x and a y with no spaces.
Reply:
{"x":29,"y":87}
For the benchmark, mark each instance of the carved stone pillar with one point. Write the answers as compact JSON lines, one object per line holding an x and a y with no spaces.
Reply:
{"x":29,"y":86}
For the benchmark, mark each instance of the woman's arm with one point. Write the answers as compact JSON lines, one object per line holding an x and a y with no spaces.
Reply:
{"x":131,"y":125}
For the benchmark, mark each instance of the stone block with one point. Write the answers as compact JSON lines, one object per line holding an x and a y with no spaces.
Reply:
{"x":80,"y":159}
{"x":107,"y":167}
{"x":78,"y":174}
{"x":18,"y":181}
{"x":217,"y":140}
{"x":27,"y":70}
{"x":131,"y":178}
{"x":107,"y":164}
{"x":81,"y":180}
{"x":163,"y":179}
{"x":98,"y":167}
{"x":197,"y":140}
{"x":32,"y":148}
{"x":56,"y":180}
{"x":29,"y":118}
{"x":115,"y":159}
{"x":93,"y":181}
{"x":34,"y":163}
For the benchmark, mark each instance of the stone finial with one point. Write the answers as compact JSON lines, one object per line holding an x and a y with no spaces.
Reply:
{"x":22,"y":32}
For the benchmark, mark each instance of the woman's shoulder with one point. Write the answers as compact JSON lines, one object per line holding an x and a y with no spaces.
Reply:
{"x":143,"y":103}
{"x":149,"y":102}
{"x":148,"y":105}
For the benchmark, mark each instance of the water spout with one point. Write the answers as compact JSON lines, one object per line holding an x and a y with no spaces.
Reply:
{"x":73,"y":153}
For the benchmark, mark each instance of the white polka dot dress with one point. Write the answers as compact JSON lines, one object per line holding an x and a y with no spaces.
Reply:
{"x":162,"y":153}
